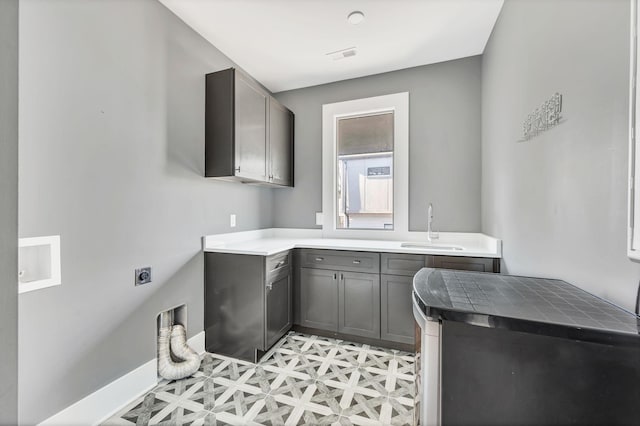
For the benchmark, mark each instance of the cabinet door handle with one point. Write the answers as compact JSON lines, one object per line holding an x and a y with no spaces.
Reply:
{"x":356,"y":262}
{"x":319,"y":259}
{"x":335,"y":277}
{"x":238,"y":169}
{"x":342,"y":277}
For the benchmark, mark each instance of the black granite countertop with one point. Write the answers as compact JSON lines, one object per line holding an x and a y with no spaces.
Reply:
{"x":536,"y":305}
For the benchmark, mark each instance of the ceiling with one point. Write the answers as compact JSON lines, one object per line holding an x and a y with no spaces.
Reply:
{"x":283,"y":43}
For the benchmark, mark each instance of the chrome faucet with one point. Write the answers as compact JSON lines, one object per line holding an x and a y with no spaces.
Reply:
{"x":431,"y":235}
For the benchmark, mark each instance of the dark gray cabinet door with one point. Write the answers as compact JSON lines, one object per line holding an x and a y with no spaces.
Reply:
{"x":219,"y":157}
{"x":319,"y":299}
{"x":280,"y":144}
{"x":250,"y":130}
{"x":359,"y":304}
{"x":396,"y":319}
{"x":279,"y":314}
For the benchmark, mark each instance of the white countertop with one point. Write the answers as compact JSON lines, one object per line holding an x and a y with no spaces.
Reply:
{"x":265,"y":242}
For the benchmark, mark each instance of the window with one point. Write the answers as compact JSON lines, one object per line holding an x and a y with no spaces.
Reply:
{"x":365,"y":182}
{"x":365,"y":167}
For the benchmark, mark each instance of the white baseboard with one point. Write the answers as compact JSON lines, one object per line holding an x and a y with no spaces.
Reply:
{"x":197,"y":343}
{"x":105,"y":402}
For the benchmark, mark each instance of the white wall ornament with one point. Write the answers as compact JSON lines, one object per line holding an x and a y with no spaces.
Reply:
{"x":543,"y":118}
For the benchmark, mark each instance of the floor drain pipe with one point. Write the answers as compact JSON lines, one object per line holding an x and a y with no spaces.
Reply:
{"x":172,"y":340}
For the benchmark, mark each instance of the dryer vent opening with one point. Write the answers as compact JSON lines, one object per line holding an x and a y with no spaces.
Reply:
{"x":176,"y":360}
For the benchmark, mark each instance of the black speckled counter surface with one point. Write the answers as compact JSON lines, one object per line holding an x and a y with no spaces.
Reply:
{"x":536,"y":305}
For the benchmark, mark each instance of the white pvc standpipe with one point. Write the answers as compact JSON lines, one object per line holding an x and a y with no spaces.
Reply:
{"x":173,"y":340}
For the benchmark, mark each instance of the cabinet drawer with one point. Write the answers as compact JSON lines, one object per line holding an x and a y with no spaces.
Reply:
{"x":401,"y":264}
{"x":478,"y":264}
{"x":352,"y":261}
{"x":278,"y":274}
{"x":278,"y":262}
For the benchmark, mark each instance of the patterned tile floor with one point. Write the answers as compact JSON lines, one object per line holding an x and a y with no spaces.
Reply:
{"x":302,"y":380}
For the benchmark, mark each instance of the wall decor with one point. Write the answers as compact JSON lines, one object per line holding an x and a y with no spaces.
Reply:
{"x":543,"y":118}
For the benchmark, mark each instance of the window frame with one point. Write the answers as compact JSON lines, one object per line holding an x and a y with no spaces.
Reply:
{"x":399,"y":104}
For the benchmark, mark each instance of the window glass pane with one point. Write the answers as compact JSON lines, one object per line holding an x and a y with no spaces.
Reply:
{"x":365,"y":172}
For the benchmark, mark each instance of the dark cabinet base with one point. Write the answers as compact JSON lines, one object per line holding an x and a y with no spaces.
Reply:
{"x":247,"y":303}
{"x":234,"y":305}
{"x":364,"y":297}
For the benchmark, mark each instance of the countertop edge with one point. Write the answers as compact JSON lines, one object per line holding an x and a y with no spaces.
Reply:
{"x":562,"y":331}
{"x":278,"y":240}
{"x":303,"y":245}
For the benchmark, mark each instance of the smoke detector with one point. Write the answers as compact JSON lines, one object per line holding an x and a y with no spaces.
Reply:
{"x":342,"y":54}
{"x":355,"y":17}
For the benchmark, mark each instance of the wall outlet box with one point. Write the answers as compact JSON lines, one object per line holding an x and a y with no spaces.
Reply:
{"x":143,"y":275}
{"x":232,"y":220}
{"x":38,"y":263}
{"x":319,"y":218}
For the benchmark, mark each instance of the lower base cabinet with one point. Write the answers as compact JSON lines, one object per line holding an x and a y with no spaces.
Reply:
{"x":396,"y":319}
{"x":247,"y":303}
{"x":252,"y":301}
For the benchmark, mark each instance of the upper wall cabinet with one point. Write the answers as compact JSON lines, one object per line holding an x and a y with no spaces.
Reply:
{"x":248,"y":134}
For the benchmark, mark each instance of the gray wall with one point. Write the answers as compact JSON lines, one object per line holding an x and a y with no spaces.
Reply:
{"x":559,"y":200}
{"x":444,"y":143}
{"x":9,"y":211}
{"x":111,"y":159}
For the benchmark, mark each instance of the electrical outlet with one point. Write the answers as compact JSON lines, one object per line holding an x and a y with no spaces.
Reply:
{"x":319,"y":218}
{"x":143,"y":275}
{"x":232,"y":220}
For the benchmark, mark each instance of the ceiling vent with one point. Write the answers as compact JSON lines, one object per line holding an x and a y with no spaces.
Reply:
{"x":341,"y":54}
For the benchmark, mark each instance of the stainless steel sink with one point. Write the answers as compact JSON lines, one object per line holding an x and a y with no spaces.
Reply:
{"x":429,"y":246}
